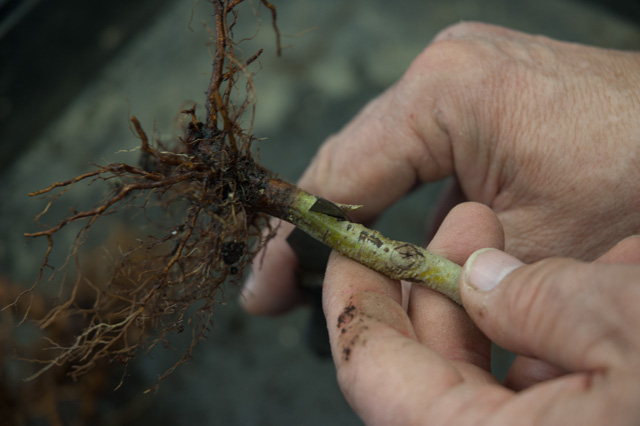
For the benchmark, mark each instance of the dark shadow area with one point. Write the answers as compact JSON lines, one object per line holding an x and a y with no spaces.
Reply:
{"x":50,"y":50}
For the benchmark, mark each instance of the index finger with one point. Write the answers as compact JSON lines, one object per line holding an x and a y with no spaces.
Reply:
{"x":380,"y":155}
{"x":383,"y":353}
{"x":383,"y":371}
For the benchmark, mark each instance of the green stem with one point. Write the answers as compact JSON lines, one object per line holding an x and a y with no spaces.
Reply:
{"x":325,"y":221}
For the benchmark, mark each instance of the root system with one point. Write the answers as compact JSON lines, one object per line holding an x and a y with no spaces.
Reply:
{"x":205,"y":186}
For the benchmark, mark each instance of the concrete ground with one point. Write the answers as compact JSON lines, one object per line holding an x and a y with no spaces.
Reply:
{"x":338,"y":55}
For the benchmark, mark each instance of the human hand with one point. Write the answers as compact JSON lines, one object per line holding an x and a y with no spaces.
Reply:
{"x":543,"y":132}
{"x":572,"y":323}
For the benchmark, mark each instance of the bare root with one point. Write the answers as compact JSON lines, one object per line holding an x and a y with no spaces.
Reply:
{"x":205,"y":188}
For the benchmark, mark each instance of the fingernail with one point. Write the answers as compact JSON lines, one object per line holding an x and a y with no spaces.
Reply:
{"x":487,"y":267}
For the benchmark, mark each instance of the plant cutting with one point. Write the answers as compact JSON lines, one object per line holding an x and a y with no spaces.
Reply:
{"x":211,"y":202}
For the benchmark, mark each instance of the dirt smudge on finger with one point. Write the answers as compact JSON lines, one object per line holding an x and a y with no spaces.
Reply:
{"x":351,"y":324}
{"x":346,"y":316}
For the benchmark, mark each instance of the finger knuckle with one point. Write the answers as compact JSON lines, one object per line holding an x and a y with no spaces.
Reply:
{"x":534,"y":303}
{"x":464,"y":30}
{"x":467,"y":69}
{"x":449,"y":55}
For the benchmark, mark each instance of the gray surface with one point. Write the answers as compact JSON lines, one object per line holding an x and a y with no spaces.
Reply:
{"x":256,"y":371}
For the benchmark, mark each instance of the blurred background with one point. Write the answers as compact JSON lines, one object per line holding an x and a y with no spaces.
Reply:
{"x":72,"y":72}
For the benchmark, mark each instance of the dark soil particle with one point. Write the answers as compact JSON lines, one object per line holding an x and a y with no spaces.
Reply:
{"x":346,"y":315}
{"x":232,"y":252}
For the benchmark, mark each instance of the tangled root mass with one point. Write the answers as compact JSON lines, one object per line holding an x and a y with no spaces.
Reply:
{"x":209,"y":184}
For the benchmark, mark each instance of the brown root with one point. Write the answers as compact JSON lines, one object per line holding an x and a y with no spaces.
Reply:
{"x":206,"y":191}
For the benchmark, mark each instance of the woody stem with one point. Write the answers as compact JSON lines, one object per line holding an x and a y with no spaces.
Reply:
{"x":396,"y":259}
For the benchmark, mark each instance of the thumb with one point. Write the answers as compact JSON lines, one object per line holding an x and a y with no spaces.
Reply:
{"x":553,"y":310}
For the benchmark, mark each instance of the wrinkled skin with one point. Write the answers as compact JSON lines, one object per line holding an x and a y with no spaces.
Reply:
{"x":546,"y":135}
